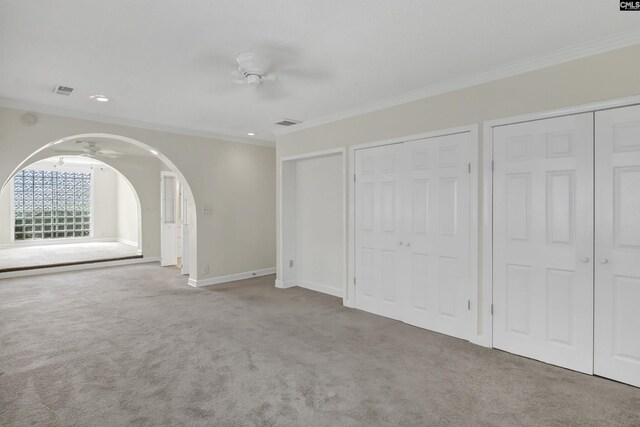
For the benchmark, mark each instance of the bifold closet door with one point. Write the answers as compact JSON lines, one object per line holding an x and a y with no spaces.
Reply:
{"x":437,"y":234}
{"x":378,"y":216}
{"x":412,"y":232}
{"x":543,"y":240}
{"x":617,"y":281}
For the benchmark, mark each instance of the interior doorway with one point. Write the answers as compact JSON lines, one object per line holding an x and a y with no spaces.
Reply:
{"x":174,"y":222}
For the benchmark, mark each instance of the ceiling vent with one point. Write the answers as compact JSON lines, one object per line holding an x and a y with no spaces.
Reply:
{"x":288,"y":122}
{"x":62,"y":90}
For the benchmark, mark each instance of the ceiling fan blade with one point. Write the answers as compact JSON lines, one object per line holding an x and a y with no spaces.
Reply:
{"x":306,"y":73}
{"x":270,"y":92}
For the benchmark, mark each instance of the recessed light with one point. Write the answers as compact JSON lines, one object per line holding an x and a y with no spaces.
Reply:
{"x":251,"y":133}
{"x":99,"y":98}
{"x":154,"y":152}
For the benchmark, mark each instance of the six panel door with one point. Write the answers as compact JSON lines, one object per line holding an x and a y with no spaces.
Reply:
{"x":543,"y":240}
{"x":379,"y":230}
{"x":617,"y":280}
{"x":412,"y":232}
{"x":437,"y":234}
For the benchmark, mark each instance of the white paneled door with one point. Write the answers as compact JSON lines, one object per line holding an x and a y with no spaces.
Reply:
{"x":543,"y":240}
{"x":168,"y":219}
{"x":379,"y":245}
{"x":412,"y":232}
{"x":617,"y":279}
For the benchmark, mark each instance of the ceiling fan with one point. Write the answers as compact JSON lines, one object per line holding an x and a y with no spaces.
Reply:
{"x":90,"y":149}
{"x":266,"y":72}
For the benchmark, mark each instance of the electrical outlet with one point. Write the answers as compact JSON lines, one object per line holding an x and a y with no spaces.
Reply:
{"x":290,"y":263}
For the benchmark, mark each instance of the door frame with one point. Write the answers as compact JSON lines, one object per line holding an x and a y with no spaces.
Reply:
{"x":486,"y":280}
{"x":474,"y":176}
{"x":163,"y":235}
{"x":280,"y":283}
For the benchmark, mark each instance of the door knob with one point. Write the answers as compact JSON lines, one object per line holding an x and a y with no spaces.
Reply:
{"x":604,"y":261}
{"x":407,"y":244}
{"x":584,"y":259}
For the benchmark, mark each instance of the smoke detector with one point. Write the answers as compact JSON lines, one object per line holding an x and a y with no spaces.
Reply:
{"x":62,"y":90}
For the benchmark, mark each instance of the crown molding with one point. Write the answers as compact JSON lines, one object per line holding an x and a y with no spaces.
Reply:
{"x":57,"y":111}
{"x":582,"y":50}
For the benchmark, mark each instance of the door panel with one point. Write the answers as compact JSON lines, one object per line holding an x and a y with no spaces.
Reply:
{"x":168,"y":230}
{"x":378,"y":230}
{"x":437,"y":234}
{"x":412,"y":232}
{"x":543,"y":240}
{"x":617,"y":280}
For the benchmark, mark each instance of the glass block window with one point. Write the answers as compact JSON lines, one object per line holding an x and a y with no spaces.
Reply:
{"x":51,"y":205}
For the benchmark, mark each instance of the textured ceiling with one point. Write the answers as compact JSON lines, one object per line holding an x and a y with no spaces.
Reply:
{"x":168,"y":63}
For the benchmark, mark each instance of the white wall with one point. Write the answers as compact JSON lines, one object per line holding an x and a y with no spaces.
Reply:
{"x":126,"y":211}
{"x":600,"y":77}
{"x":105,"y":200}
{"x":313,"y":224}
{"x":319,"y":231}
{"x":234,"y":182}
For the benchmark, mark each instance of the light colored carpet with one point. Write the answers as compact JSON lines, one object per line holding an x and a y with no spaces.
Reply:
{"x":134,"y":345}
{"x":27,"y":256}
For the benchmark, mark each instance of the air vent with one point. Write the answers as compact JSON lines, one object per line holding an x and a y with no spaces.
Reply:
{"x":62,"y":90}
{"x":288,"y":122}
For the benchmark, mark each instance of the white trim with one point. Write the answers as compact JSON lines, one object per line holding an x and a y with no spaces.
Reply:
{"x":583,"y":50}
{"x":59,"y":241}
{"x":66,"y":268}
{"x":316,"y":287}
{"x":311,"y":155}
{"x":231,"y":277}
{"x":46,"y":109}
{"x":487,"y":200}
{"x":474,"y":283}
{"x":567,"y":111}
{"x":127,"y":242}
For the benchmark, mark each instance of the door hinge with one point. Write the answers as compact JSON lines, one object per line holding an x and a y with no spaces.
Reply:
{"x":469,"y":305}
{"x":492,"y":309}
{"x":469,"y":168}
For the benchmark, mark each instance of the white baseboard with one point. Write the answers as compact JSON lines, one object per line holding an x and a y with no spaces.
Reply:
{"x":127,"y":242}
{"x":280,"y":284}
{"x":231,"y":277}
{"x":66,"y":241}
{"x":318,"y":287}
{"x":65,"y":268}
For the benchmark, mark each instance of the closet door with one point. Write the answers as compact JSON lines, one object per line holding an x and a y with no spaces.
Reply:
{"x":437,"y":234}
{"x":617,"y":281}
{"x":378,"y":235}
{"x":543,"y":240}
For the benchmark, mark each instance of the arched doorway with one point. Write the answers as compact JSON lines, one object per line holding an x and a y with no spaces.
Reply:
{"x":131,"y":158}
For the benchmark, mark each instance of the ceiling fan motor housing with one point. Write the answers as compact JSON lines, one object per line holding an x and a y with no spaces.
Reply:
{"x":250,"y":67}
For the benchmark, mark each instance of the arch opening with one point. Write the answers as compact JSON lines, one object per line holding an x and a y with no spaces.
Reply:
{"x":139,"y":165}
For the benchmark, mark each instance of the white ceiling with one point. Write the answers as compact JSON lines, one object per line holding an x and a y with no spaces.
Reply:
{"x":168,"y":62}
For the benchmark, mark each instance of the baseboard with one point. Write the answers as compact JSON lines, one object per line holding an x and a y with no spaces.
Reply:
{"x":319,"y":287}
{"x":63,"y":269}
{"x":65,"y":241}
{"x":127,"y":242}
{"x":231,"y":277}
